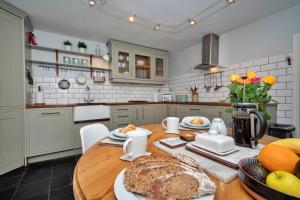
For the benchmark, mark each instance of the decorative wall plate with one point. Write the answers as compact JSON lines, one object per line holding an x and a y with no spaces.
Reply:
{"x":81,"y":79}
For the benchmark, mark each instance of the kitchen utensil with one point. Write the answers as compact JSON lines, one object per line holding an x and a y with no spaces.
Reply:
{"x":248,"y":125}
{"x":81,"y":79}
{"x":64,"y":84}
{"x":121,"y":192}
{"x":136,"y":144}
{"x":172,"y":125}
{"x":219,"y":126}
{"x":258,"y":189}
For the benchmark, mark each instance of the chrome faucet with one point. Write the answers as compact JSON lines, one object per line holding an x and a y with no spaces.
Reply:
{"x":88,"y":100}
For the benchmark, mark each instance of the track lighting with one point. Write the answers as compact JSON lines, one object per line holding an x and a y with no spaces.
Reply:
{"x":230,"y":2}
{"x":192,"y":22}
{"x":132,"y":18}
{"x":92,"y":2}
{"x":156,"y":27}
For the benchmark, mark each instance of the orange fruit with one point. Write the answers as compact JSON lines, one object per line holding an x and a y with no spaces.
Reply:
{"x":275,"y":157}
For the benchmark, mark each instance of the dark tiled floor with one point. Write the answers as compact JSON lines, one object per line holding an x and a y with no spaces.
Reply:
{"x":49,"y":180}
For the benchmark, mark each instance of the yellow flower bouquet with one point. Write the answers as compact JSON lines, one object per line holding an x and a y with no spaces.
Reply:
{"x":251,"y":89}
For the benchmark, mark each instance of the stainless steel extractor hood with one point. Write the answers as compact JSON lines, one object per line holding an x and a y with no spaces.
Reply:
{"x":210,"y":52}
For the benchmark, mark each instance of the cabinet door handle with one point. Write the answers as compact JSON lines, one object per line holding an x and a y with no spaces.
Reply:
{"x":123,"y":124}
{"x":123,"y":116}
{"x":220,"y":114}
{"x":143,"y":113}
{"x":121,"y":109}
{"x":137,"y":114}
{"x":195,"y":109}
{"x":50,"y":113}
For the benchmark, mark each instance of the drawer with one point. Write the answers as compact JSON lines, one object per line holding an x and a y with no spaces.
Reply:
{"x":121,"y":118}
{"x":120,"y":110}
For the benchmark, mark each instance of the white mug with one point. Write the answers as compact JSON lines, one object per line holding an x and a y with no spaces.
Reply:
{"x":136,"y":144}
{"x":172,"y":124}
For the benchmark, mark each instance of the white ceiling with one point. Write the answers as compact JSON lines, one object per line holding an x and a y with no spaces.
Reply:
{"x":77,"y":18}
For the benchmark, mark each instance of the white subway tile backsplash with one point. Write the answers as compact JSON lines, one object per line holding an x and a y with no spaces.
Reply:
{"x":247,"y":64}
{"x":268,"y":67}
{"x":261,"y":61}
{"x":278,"y":58}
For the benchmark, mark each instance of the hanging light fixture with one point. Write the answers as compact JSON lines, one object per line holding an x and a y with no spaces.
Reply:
{"x":230,"y":2}
{"x":132,"y":18}
{"x":192,"y":22}
{"x":92,"y":2}
{"x":156,"y":27}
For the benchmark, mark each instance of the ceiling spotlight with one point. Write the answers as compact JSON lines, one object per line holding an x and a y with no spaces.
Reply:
{"x":92,"y":2}
{"x":230,"y":2}
{"x":192,"y":22}
{"x":156,"y":27}
{"x":132,"y":18}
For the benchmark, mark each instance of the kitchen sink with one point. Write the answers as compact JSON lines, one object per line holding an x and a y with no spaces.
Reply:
{"x":92,"y":112}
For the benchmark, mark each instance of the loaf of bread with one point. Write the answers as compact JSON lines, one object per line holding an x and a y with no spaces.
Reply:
{"x":166,"y":177}
{"x":129,"y":127}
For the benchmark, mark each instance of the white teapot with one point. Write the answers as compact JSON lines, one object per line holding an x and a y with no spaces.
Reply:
{"x":219,"y":126}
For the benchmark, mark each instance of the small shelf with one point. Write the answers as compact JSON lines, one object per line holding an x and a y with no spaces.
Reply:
{"x":30,"y":46}
{"x":64,"y":64}
{"x":142,"y":66}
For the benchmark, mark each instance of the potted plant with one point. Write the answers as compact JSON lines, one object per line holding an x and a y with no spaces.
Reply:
{"x":82,"y":47}
{"x":67,"y":45}
{"x":251,"y":89}
{"x":195,"y":96}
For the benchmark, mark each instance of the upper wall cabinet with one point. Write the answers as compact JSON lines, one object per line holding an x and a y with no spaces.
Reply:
{"x":12,"y":61}
{"x":137,"y":64}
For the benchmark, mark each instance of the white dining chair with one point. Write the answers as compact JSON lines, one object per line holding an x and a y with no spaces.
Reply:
{"x":91,"y":134}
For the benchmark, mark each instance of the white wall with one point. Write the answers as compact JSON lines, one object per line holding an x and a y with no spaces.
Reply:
{"x":181,"y":61}
{"x":267,"y":37}
{"x":55,"y":40}
{"x":270,"y":36}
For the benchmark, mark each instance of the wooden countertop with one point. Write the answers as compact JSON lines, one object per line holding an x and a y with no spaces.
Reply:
{"x":32,"y":106}
{"x":97,"y":169}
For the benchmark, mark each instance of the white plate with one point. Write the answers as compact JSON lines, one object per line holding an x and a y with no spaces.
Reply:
{"x":193,"y":127}
{"x":81,"y":79}
{"x":112,"y":136}
{"x":122,"y":194}
{"x":187,"y":121}
{"x":215,"y":152}
{"x":117,"y":132}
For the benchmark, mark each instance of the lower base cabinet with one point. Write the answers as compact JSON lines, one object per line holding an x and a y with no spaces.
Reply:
{"x":49,"y":130}
{"x":77,"y":128}
{"x":11,"y":140}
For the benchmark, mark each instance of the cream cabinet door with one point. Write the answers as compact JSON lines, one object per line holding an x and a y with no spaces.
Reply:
{"x":12,"y":151}
{"x":122,"y":62}
{"x":11,"y":61}
{"x":50,"y":130}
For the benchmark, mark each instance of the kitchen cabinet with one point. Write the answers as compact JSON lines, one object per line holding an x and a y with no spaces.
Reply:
{"x":160,"y":112}
{"x":120,"y":116}
{"x":49,"y":130}
{"x":12,"y":61}
{"x":77,"y":128}
{"x":11,"y":140}
{"x":143,"y":114}
{"x":137,"y":64}
{"x":171,"y":110}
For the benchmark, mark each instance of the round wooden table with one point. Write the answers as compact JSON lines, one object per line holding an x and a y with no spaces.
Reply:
{"x":98,"y":167}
